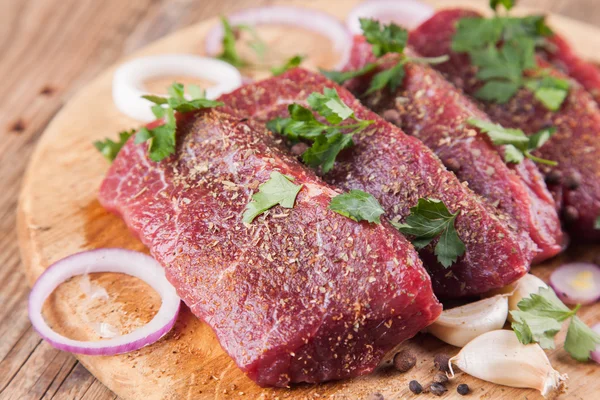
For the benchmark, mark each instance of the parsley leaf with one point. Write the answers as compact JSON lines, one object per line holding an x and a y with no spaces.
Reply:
{"x":549,"y":90}
{"x":328,"y":139}
{"x":503,"y":48}
{"x":109,"y":148}
{"x":229,"y":53}
{"x":429,"y":219}
{"x":580,"y":340}
{"x":390,"y":38}
{"x":162,"y":138}
{"x":507,"y":4}
{"x":539,"y":318}
{"x":277,"y":190}
{"x":517,"y":144}
{"x":392,"y":77}
{"x":358,"y":206}
{"x":289,"y":64}
{"x":340,"y":77}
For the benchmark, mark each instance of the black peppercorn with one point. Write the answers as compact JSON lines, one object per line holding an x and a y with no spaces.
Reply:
{"x":440,"y":378}
{"x":376,"y":396}
{"x":570,"y":214}
{"x":573,"y":180}
{"x":463,"y":389}
{"x":438,"y":389}
{"x":441,"y":362}
{"x":415,"y":387}
{"x":404,"y":360}
{"x":553,"y":177}
{"x":452,"y":164}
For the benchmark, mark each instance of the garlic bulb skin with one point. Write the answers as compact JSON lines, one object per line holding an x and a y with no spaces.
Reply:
{"x":520,"y":289}
{"x":500,"y":358}
{"x":458,"y":326}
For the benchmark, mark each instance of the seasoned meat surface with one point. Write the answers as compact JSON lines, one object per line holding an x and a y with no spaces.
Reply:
{"x":398,"y":170}
{"x":298,"y":295}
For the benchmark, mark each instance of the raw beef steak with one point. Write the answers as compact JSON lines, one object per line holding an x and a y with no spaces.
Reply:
{"x":398,"y":170}
{"x":298,"y":295}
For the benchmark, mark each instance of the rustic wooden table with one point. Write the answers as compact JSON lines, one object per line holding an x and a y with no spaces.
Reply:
{"x":50,"y":49}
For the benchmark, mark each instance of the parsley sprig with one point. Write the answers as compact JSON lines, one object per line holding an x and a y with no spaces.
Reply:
{"x":110,"y":148}
{"x":231,"y":55}
{"x":503,"y":49}
{"x":162,"y":138}
{"x":279,"y":189}
{"x":517,"y":145}
{"x":384,"y":39}
{"x":430,"y":219}
{"x":328,"y":138}
{"x":358,"y":206}
{"x":540,"y":317}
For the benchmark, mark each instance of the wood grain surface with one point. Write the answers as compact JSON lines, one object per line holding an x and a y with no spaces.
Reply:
{"x":51,"y":49}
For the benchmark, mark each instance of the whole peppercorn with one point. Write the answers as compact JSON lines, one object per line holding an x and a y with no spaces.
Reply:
{"x":573,"y":180}
{"x":404,"y":360}
{"x":553,"y":177}
{"x":570,"y":214}
{"x":376,"y":396}
{"x":463,"y":389}
{"x":440,"y":378}
{"x":392,"y":116}
{"x":453,"y":164}
{"x":441,"y":362}
{"x":438,"y":389}
{"x":415,"y":387}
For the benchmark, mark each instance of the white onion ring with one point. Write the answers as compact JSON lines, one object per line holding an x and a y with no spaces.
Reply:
{"x":123,"y":261}
{"x":313,"y":20}
{"x":128,"y":80}
{"x":407,"y":13}
{"x":596,"y":353}
{"x":576,"y":283}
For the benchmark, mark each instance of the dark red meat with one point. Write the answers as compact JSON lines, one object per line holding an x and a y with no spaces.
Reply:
{"x":566,"y":60}
{"x":398,"y":170}
{"x":299,"y":295}
{"x":574,"y":146}
{"x":434,"y":111}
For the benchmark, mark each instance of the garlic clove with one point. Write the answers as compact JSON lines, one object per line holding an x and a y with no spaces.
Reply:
{"x":458,"y":326}
{"x":500,"y":358}
{"x":520,"y":289}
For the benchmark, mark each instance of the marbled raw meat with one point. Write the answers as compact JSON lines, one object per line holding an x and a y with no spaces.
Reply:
{"x":398,"y":170}
{"x":299,"y":295}
{"x":575,"y":181}
{"x":428,"y":107}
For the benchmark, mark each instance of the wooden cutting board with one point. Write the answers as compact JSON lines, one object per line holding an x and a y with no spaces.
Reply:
{"x":59,"y":215}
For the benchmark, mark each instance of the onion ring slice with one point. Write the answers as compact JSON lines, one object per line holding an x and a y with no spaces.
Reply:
{"x":407,"y":13}
{"x":123,"y":261}
{"x":128,"y":80}
{"x":313,"y":20}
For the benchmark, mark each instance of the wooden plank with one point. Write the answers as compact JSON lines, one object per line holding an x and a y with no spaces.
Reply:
{"x":50,"y":50}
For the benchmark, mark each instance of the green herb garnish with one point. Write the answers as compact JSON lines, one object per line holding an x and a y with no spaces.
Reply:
{"x":540,"y":317}
{"x":518,"y":146}
{"x":429,"y":219}
{"x":162,"y":138}
{"x":277,"y":190}
{"x":330,"y":137}
{"x":229,"y":53}
{"x":289,"y":64}
{"x":384,"y":39}
{"x":503,"y":49}
{"x":358,"y":206}
{"x":109,"y":148}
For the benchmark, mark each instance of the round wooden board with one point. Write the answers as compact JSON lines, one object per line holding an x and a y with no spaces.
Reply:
{"x":59,"y":215}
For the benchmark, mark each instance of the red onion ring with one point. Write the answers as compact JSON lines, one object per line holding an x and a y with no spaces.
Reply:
{"x":596,"y":353}
{"x":123,"y":261}
{"x":406,"y":13}
{"x":313,"y":20}
{"x":577,"y":283}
